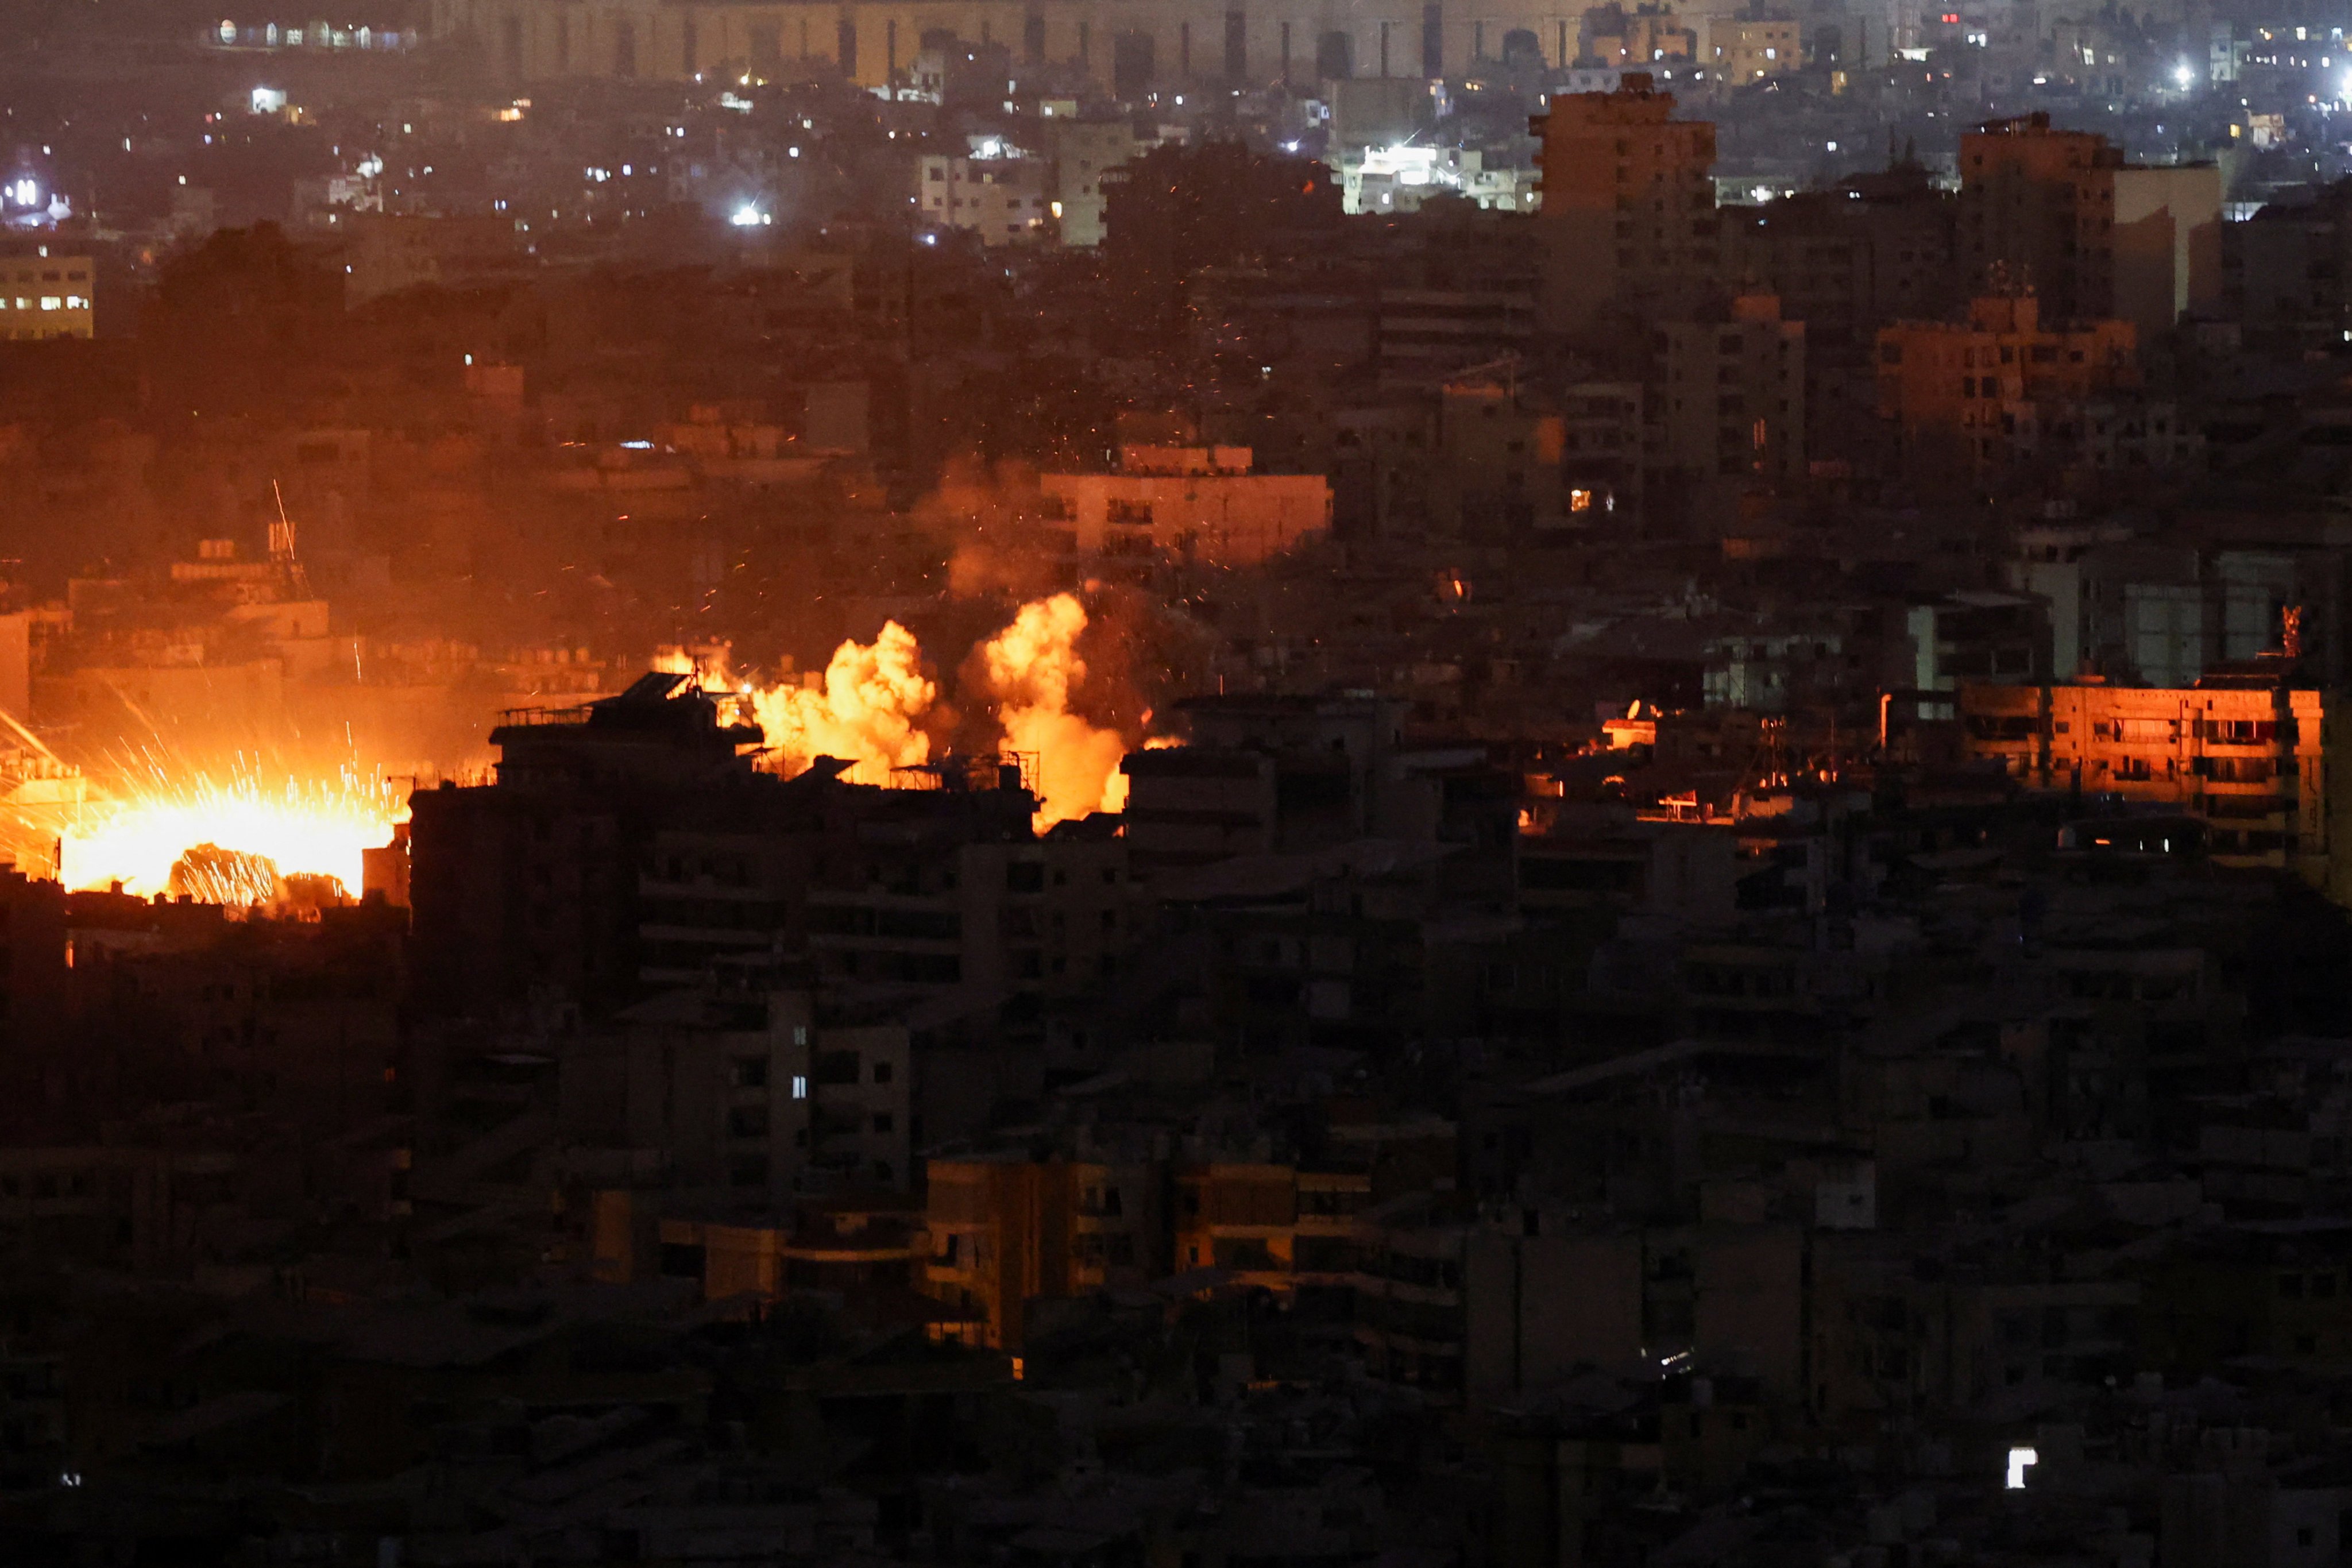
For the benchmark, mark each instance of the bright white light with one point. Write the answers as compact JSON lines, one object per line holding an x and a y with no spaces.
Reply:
{"x":2020,"y":1461}
{"x":2183,"y":74}
{"x":747,"y":217}
{"x":268,"y":100}
{"x":24,"y":193}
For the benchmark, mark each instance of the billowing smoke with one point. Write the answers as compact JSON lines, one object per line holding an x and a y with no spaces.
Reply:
{"x":1032,"y":671}
{"x":869,"y":710}
{"x":1029,"y":687}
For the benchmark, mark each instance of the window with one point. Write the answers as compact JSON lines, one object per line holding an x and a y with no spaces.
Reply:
{"x":883,"y":1122}
{"x":800,"y":1087}
{"x":751,"y":1072}
{"x":881,"y":1072}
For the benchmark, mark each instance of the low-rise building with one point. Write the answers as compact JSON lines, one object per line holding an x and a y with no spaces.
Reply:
{"x":2248,"y":757}
{"x":1191,"y":503}
{"x":1005,"y":200}
{"x":2002,"y":387}
{"x":47,"y":295}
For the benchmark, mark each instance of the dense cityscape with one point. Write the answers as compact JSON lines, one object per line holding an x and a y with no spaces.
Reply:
{"x":1109,"y":783}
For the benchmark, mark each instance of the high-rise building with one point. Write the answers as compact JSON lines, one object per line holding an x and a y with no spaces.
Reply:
{"x":1731,"y":394}
{"x":1628,"y":207}
{"x":2038,"y":211}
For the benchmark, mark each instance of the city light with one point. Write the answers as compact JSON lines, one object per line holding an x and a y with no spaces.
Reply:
{"x":2020,"y":1461}
{"x":2183,"y":74}
{"x":748,"y":216}
{"x":26,"y":193}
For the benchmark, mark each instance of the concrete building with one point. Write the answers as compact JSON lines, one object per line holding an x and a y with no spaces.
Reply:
{"x":876,"y":42}
{"x":1513,"y":465}
{"x":2001,"y":388}
{"x":1006,"y":1230}
{"x":2246,"y":755}
{"x":1004,"y":201}
{"x":45,"y":296}
{"x":1191,"y":503}
{"x":1731,"y":394}
{"x":1628,"y":211}
{"x":1743,"y":50}
{"x":1081,"y":149}
{"x":2168,"y":244}
{"x":2038,"y":212}
{"x":1648,"y":35}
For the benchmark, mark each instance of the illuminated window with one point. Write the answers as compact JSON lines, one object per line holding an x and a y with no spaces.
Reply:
{"x":2020,"y":1461}
{"x":52,"y":302}
{"x":1580,"y":500}
{"x":800,"y":1086}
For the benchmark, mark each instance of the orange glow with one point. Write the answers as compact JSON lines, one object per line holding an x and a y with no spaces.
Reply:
{"x":1032,"y":668}
{"x":315,"y":827}
{"x":869,"y":712}
{"x":874,"y":707}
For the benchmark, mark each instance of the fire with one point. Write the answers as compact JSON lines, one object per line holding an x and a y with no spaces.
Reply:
{"x":1032,"y":668}
{"x":315,"y":827}
{"x":874,"y":707}
{"x":869,"y":712}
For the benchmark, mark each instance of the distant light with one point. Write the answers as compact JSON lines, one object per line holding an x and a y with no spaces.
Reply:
{"x":268,"y":101}
{"x":2020,"y":1461}
{"x":2184,"y":76}
{"x":747,"y":217}
{"x":638,"y":445}
{"x":1830,"y":145}
{"x":25,"y":193}
{"x":931,"y":240}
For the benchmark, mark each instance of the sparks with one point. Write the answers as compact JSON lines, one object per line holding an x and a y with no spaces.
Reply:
{"x":301,"y":827}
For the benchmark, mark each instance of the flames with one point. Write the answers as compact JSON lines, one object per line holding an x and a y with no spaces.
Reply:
{"x":869,"y":712}
{"x":1032,"y":668}
{"x":241,"y":836}
{"x":876,"y":710}
{"x":253,"y":833}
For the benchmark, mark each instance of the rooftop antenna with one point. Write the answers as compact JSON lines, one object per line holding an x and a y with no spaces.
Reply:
{"x":281,"y":545}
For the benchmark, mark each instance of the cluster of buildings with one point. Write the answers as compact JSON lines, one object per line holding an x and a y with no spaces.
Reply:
{"x":1726,"y":945}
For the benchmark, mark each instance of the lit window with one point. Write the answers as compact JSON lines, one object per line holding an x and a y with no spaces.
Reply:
{"x":800,"y":1087}
{"x":52,"y":302}
{"x":2020,"y":1461}
{"x":1580,"y":500}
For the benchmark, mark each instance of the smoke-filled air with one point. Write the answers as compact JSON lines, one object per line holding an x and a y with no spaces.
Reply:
{"x":869,"y":710}
{"x":1033,"y":669}
{"x":1026,"y":690}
